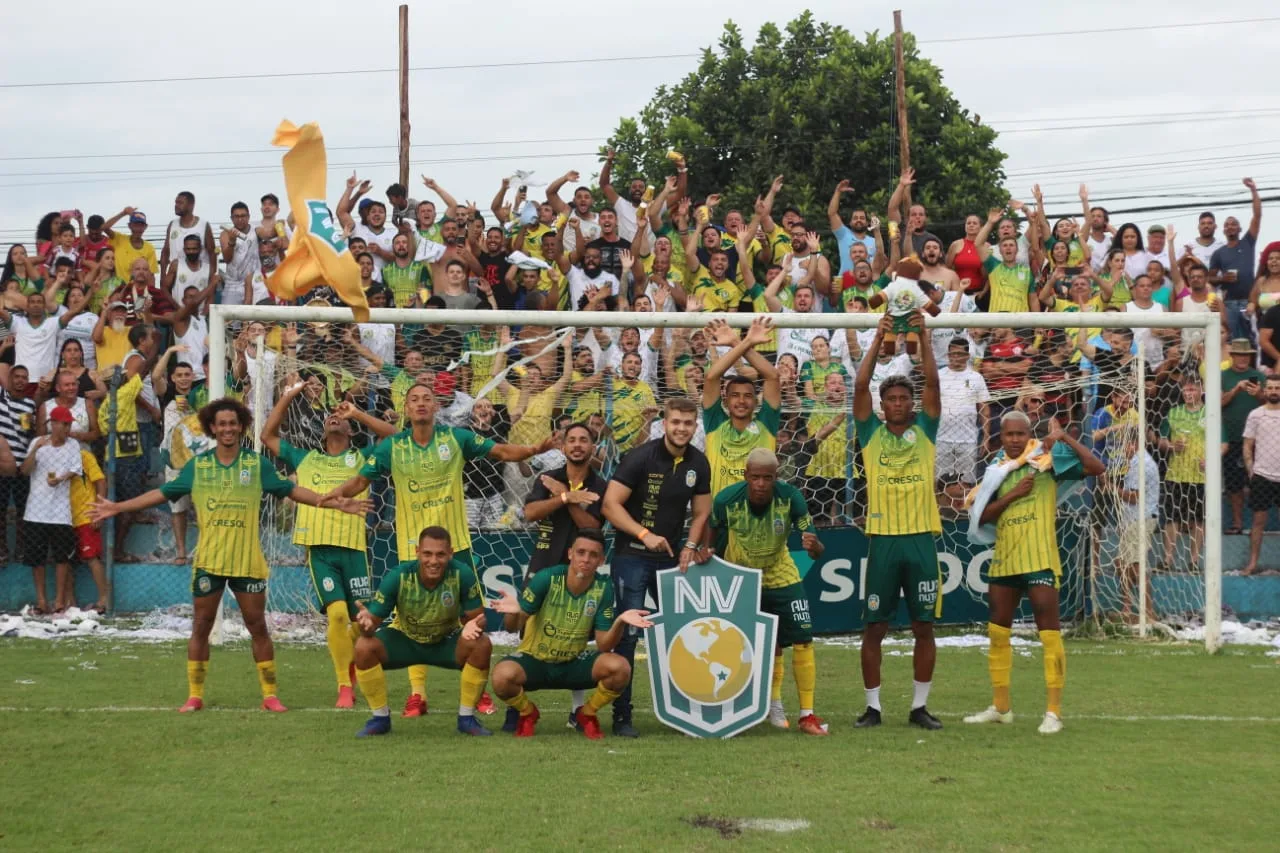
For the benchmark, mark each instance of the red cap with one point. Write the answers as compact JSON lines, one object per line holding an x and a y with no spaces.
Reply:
{"x":62,"y":414}
{"x":445,"y":383}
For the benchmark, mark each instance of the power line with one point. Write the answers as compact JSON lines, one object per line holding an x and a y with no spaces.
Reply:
{"x":534,"y":63}
{"x":1114,"y":126}
{"x":1185,"y":113}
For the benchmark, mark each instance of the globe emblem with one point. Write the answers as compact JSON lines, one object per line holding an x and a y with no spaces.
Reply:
{"x":710,"y":661}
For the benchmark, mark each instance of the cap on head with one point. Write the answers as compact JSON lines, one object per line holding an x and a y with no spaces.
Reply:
{"x":137,"y":217}
{"x":62,"y":415}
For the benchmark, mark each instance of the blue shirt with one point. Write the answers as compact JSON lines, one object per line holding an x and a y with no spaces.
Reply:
{"x":1240,"y":259}
{"x":844,"y":241}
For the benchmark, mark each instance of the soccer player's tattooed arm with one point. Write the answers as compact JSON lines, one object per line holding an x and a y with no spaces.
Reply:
{"x":862,"y":404}
{"x":616,"y":514}
{"x":698,"y":523}
{"x":559,"y":494}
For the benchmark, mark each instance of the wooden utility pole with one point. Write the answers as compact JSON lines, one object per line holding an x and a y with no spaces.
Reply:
{"x":404,"y":96}
{"x":900,"y":84}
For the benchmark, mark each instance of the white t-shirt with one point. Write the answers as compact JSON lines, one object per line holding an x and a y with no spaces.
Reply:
{"x":1098,"y":251}
{"x":79,"y":411}
{"x":197,"y":342}
{"x":899,"y":365}
{"x":52,"y":504}
{"x":590,"y":229}
{"x":1136,"y":264}
{"x":244,"y":263}
{"x":1205,"y":253}
{"x":80,"y":328}
{"x":268,"y":376}
{"x":381,"y":339}
{"x":903,"y":296}
{"x":35,"y":347}
{"x":579,"y":281}
{"x":1263,"y":427}
{"x":187,"y":277}
{"x":382,"y":239}
{"x":260,"y":291}
{"x":648,"y":359}
{"x":962,"y":392}
{"x":799,"y":342}
{"x":1152,"y":346}
{"x":1150,"y":471}
{"x":942,"y":337}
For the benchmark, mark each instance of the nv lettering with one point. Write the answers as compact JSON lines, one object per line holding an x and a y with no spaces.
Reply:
{"x":699,"y":601}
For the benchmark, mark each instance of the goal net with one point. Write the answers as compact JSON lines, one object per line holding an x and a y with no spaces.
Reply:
{"x":1133,"y":545}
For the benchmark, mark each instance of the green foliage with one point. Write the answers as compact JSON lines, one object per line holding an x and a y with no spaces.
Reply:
{"x":816,"y":105}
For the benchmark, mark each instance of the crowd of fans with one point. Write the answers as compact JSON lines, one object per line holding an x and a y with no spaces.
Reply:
{"x":98,"y":325}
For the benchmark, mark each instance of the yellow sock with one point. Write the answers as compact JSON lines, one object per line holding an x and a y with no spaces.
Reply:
{"x":196,"y":672}
{"x":418,"y":680}
{"x":338,"y":637}
{"x":1000,"y":665}
{"x":1055,"y":668}
{"x":603,"y":696}
{"x":521,"y":703}
{"x":267,"y":678}
{"x":806,"y":673}
{"x":373,"y":684}
{"x":472,"y":685}
{"x":353,"y":631}
{"x":775,"y":687}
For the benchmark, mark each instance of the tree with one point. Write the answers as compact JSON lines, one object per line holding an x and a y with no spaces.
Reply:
{"x":816,"y":105}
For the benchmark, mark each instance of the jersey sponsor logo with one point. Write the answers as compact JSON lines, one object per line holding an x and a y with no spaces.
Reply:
{"x":590,"y":607}
{"x":447,"y":599}
{"x":245,"y":474}
{"x":711,"y":650}
{"x":690,"y":477}
{"x":909,"y":436}
{"x":444,"y":452}
{"x":352,"y":459}
{"x":779,"y":526}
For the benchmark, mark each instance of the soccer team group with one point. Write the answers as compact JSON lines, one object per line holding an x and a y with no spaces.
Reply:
{"x":668,"y":503}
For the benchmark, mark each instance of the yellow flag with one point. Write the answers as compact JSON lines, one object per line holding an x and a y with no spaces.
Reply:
{"x":318,"y":254}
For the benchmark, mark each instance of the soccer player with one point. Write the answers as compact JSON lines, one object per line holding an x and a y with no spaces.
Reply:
{"x":439,"y":621}
{"x":335,"y":541}
{"x":226,"y":486}
{"x":733,"y":434}
{"x":750,"y":522}
{"x":559,"y":609}
{"x":898,"y":455}
{"x":425,"y":466}
{"x":1024,"y":510}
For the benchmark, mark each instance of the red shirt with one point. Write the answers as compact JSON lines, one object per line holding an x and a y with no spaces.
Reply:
{"x":1010,"y":350}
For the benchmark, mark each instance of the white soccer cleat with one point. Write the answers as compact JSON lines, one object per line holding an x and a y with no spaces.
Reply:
{"x":778,"y":715}
{"x":1051,"y":725}
{"x":991,"y":715}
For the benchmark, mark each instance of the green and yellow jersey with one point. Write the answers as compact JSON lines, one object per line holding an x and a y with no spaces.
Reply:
{"x":405,"y":282}
{"x":1027,"y":530}
{"x":900,"y":476}
{"x":629,"y":403}
{"x":816,"y":373}
{"x":582,"y":406}
{"x":756,"y":537}
{"x":779,"y":242}
{"x":560,"y":623}
{"x":533,"y":239}
{"x":1186,"y":465}
{"x":428,"y":482}
{"x":1009,"y":285}
{"x":727,"y":448}
{"x":675,"y":275}
{"x":715,"y":294}
{"x":831,"y":458}
{"x":427,"y":614}
{"x":728,"y":241}
{"x":1075,"y":255}
{"x":228,"y":499}
{"x":481,"y":363}
{"x":322,"y":473}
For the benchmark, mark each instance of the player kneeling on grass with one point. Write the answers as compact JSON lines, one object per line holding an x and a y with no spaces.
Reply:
{"x":750,"y":523}
{"x":1019,"y":494}
{"x":432,"y":597}
{"x":556,"y":613}
{"x":226,"y":486}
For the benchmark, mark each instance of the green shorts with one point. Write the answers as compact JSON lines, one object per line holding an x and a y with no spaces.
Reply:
{"x":339,"y":574}
{"x":1044,"y":577}
{"x":573,"y":674}
{"x":403,"y":651}
{"x":204,"y":583}
{"x":903,"y":565}
{"x":791,"y":606}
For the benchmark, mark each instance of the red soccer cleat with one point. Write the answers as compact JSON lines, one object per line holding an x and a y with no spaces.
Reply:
{"x":414,"y":706}
{"x":589,"y":725}
{"x":485,"y":705}
{"x":271,"y":703}
{"x":346,"y":698}
{"x":193,"y":704}
{"x":811,"y":724}
{"x":524,"y":728}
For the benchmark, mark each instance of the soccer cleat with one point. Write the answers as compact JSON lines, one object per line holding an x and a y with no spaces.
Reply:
{"x":193,"y":704}
{"x":485,"y":705}
{"x":346,"y":698}
{"x":991,"y":715}
{"x":589,"y":725}
{"x":573,"y":720}
{"x":922,"y":718}
{"x":778,"y":715}
{"x":526,"y":723}
{"x":376,"y":726}
{"x":469,"y":725}
{"x":513,"y":717}
{"x":1051,"y":725}
{"x":271,"y":703}
{"x":414,"y":706}
{"x":811,"y":724}
{"x":869,"y":718}
{"x":622,"y":728}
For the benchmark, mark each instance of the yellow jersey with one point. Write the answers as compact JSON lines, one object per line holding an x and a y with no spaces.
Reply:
{"x":901,"y":497}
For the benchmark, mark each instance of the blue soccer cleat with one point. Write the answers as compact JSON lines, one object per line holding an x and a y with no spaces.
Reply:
{"x":376,"y":726}
{"x":469,"y":725}
{"x":513,"y":717}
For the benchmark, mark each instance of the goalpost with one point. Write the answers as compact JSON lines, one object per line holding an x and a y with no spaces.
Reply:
{"x":1093,"y":536}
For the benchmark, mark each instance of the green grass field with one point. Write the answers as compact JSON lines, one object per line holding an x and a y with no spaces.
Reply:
{"x":1165,"y":749}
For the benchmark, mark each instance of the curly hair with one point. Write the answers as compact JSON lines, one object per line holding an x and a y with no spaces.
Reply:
{"x":209,"y":413}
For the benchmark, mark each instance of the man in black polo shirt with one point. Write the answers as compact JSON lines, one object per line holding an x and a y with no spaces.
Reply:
{"x":648,"y":502}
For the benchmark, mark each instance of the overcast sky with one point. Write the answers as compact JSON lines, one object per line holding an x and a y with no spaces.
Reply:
{"x":1200,"y":91}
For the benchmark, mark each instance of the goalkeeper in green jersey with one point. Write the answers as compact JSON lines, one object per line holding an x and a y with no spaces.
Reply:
{"x":335,"y":541}
{"x":439,"y":621}
{"x":560,"y":609}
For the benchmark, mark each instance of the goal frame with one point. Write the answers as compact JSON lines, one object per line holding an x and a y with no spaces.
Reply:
{"x":220,"y":316}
